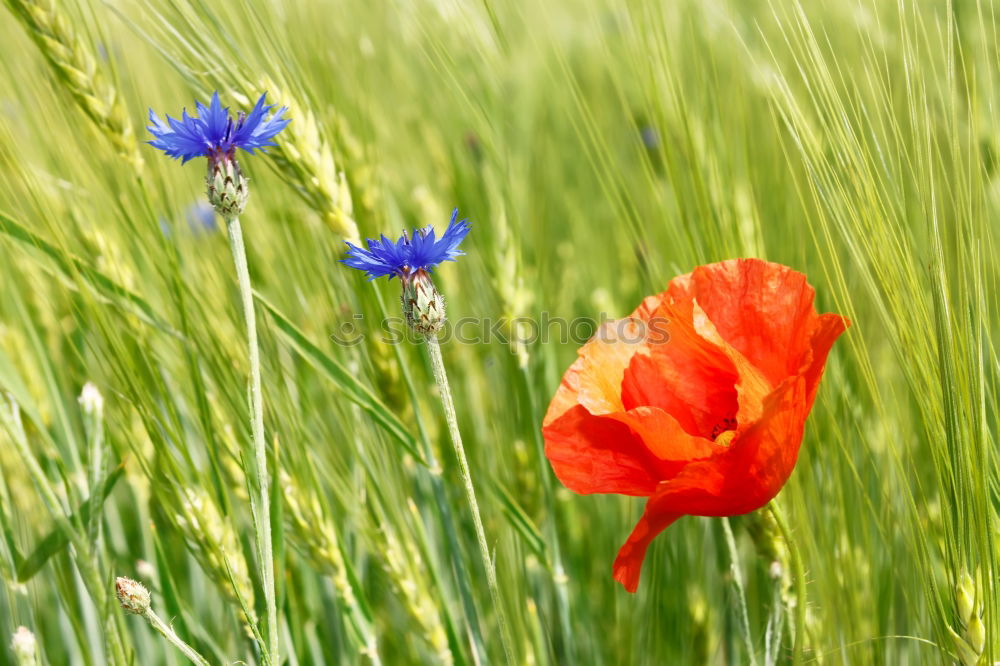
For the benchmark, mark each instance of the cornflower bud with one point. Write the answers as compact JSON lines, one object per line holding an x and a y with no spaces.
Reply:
{"x":132,"y":595}
{"x":423,"y":304}
{"x":228,"y":189}
{"x":25,"y":647}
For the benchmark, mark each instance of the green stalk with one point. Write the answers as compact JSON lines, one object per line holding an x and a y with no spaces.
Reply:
{"x":559,"y":578}
{"x":83,"y":555}
{"x":447,"y":519}
{"x":262,"y":522}
{"x":740,"y":590}
{"x":441,"y":377}
{"x":799,"y":578}
{"x":168,"y":633}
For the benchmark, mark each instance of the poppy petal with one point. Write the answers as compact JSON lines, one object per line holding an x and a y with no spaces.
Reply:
{"x":764,"y":310}
{"x":697,"y":490}
{"x":741,"y":479}
{"x":664,"y":437}
{"x":595,"y":378}
{"x":751,"y":387}
{"x":761,"y":458}
{"x":628,"y":564}
{"x":688,"y":377}
{"x":829,"y":327}
{"x":594,"y":454}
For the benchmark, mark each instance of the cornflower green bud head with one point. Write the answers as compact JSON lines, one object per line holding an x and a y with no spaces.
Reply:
{"x":228,"y":189}
{"x":423,"y":304}
{"x":132,"y":595}
{"x":25,"y":647}
{"x":965,"y":598}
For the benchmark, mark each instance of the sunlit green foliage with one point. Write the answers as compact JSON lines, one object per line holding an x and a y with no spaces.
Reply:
{"x":599,"y":147}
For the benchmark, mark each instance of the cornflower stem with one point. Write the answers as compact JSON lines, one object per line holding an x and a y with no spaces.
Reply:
{"x":799,"y":580}
{"x":263,"y":509}
{"x":740,"y":590}
{"x":441,"y":377}
{"x":167,"y":632}
{"x":447,"y":518}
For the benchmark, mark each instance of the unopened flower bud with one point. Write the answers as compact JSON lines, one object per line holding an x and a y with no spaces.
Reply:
{"x":25,"y":647}
{"x":132,"y":595}
{"x":228,"y":188}
{"x":423,"y":304}
{"x":91,"y":400}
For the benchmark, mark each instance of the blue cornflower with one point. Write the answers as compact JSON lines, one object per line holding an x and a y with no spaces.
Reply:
{"x":214,"y":133}
{"x":410,"y":254}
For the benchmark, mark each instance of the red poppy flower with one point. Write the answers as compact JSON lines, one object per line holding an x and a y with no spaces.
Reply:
{"x":697,"y":401}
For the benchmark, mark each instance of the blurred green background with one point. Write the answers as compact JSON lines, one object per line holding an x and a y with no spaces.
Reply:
{"x":599,"y":149}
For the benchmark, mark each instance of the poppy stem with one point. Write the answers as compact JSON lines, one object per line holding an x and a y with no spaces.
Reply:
{"x":262,"y":506}
{"x":799,"y":580}
{"x":441,"y":377}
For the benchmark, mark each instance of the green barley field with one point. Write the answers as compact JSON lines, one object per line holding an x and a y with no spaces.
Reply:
{"x":598,"y":148}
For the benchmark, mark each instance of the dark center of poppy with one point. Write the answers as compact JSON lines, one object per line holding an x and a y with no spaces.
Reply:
{"x":728,"y":423}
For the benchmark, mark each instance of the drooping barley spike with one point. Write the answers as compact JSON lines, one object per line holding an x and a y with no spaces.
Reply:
{"x":514,"y":294}
{"x":363,"y":178}
{"x":409,"y":574}
{"x":971,"y":642}
{"x":214,"y":544}
{"x":307,"y":159}
{"x":314,"y":535}
{"x":76,"y":67}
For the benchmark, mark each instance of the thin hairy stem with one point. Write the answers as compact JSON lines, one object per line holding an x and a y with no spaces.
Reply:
{"x":441,"y":377}
{"x":799,"y":579}
{"x":168,"y":633}
{"x":262,"y":522}
{"x":84,"y":555}
{"x":447,"y":518}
